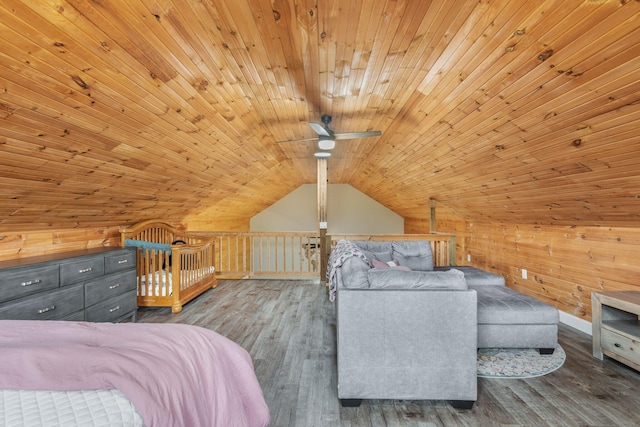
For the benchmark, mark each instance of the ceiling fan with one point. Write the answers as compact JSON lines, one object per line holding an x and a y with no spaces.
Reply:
{"x":327,"y":137}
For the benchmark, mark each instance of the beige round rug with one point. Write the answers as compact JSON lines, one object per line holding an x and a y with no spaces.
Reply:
{"x":517,"y":362}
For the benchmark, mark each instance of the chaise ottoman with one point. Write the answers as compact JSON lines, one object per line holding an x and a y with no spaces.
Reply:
{"x":508,"y":318}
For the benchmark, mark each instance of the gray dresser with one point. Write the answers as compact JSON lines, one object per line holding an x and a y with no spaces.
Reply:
{"x":96,"y":285}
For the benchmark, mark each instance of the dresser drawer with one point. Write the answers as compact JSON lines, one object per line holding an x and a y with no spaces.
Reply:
{"x":112,"y":309}
{"x":48,"y":306}
{"x":81,"y":270}
{"x":619,"y":344}
{"x":123,"y":260}
{"x":19,"y":282}
{"x":109,"y":286}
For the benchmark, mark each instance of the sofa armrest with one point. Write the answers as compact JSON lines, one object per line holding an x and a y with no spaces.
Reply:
{"x":407,"y":344}
{"x":355,"y":271}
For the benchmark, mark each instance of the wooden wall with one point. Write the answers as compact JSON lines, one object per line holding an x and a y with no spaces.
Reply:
{"x":564,"y":264}
{"x":21,"y":244}
{"x":26,"y":243}
{"x":214,"y":223}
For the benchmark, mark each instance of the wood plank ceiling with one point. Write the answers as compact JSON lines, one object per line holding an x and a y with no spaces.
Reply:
{"x":514,"y":111}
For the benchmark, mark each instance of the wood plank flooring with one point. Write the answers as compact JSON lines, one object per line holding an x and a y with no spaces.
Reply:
{"x":288,"y":327}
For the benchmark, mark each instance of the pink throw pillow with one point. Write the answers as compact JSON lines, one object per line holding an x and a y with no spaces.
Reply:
{"x":389,"y":264}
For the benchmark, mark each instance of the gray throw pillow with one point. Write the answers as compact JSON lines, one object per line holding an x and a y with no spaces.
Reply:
{"x":380,"y":256}
{"x":417,"y":255}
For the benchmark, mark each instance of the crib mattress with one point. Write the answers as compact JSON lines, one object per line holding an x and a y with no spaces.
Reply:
{"x":163,"y":282}
{"x":33,"y":408}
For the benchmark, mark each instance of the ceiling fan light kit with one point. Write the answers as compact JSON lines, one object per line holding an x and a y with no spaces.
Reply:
{"x":326,"y":144}
{"x":326,"y":140}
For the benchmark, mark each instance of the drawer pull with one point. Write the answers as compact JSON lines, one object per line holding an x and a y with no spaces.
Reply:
{"x":30,"y":282}
{"x":44,"y":310}
{"x":123,"y":261}
{"x":618,"y":345}
{"x":117,"y":285}
{"x":116,"y":308}
{"x":85,"y":270}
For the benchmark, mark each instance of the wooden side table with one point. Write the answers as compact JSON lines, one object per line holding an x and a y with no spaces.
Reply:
{"x":616,"y":328}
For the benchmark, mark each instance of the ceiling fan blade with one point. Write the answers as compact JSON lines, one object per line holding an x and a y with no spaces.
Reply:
{"x":355,"y":135}
{"x":315,"y":138}
{"x":320,"y":130}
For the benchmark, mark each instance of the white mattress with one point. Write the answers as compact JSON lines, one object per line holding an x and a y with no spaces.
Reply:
{"x":160,"y":282}
{"x":161,"y":279}
{"x":108,"y":408}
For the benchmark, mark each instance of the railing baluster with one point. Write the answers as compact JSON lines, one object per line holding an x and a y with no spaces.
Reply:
{"x":241,"y":254}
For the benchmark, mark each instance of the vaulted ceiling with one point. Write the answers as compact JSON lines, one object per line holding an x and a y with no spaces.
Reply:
{"x":514,"y":111}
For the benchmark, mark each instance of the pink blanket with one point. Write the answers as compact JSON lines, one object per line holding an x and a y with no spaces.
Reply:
{"x":175,"y":375}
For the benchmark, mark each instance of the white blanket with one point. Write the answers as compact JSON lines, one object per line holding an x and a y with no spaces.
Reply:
{"x":67,"y":408}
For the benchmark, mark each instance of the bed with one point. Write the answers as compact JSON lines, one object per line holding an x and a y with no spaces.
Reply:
{"x":173,"y":266}
{"x":125,"y":374}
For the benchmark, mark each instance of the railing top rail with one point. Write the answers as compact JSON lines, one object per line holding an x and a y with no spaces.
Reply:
{"x":308,"y":234}
{"x":430,"y":236}
{"x":391,"y":237}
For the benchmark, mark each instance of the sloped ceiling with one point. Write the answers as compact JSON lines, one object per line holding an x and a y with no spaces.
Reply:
{"x":516,"y":111}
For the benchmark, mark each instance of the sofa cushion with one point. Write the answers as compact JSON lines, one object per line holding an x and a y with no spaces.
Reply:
{"x":417,"y":255}
{"x":505,"y":306}
{"x":392,"y":278}
{"x":475,"y":276}
{"x":371,"y":246}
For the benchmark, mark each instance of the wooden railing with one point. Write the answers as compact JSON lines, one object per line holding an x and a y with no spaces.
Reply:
{"x":253,"y":254}
{"x":299,"y":254}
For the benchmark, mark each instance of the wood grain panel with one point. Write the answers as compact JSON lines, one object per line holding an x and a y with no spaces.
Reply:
{"x":15,"y":244}
{"x":564,"y":264}
{"x":113,"y":112}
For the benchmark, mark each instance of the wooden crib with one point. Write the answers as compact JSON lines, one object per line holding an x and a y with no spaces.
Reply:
{"x":170,"y":274}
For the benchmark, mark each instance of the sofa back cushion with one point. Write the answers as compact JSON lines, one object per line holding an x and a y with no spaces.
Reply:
{"x":390,"y":278}
{"x":372,"y":246}
{"x":417,"y":255}
{"x":380,"y":251}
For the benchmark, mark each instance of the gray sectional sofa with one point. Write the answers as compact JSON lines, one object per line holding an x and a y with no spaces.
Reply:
{"x":409,"y":330}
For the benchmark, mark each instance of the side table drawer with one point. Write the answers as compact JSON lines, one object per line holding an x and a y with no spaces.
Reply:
{"x":109,"y":286}
{"x":621,"y":345}
{"x":82,"y":270}
{"x":49,"y":306}
{"x":123,"y":260}
{"x":20,"y":282}
{"x":112,"y":309}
